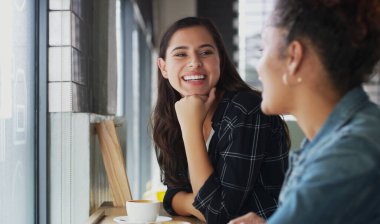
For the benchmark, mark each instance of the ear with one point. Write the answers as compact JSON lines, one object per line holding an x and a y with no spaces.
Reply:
{"x":162,"y":66}
{"x":295,"y":57}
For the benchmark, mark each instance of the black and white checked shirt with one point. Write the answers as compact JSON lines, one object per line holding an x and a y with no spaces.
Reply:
{"x":250,"y":156}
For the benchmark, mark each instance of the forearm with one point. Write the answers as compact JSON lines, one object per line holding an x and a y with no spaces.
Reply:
{"x":192,"y":111}
{"x":200,"y":167}
{"x":183,"y":205}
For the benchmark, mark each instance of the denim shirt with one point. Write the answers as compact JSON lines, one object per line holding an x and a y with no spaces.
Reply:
{"x":335,"y":178}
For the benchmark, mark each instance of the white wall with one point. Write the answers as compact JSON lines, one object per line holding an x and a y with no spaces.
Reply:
{"x":165,"y":13}
{"x":168,"y":11}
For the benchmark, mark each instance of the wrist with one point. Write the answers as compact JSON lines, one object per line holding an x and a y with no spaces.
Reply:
{"x":191,"y":131}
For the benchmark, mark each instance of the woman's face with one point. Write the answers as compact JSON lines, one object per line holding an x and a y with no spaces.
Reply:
{"x":192,"y":63}
{"x":271,"y":68}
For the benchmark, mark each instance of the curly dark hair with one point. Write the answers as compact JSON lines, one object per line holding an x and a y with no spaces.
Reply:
{"x":345,"y":34}
{"x":167,"y":135}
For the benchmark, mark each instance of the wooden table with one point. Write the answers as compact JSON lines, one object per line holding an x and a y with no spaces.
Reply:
{"x":106,"y":213}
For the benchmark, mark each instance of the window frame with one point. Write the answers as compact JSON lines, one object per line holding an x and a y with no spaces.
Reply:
{"x":40,"y":108}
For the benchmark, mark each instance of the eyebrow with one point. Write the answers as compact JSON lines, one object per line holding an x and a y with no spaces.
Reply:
{"x":184,"y":47}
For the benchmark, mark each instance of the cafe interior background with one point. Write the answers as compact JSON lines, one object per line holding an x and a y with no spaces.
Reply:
{"x":66,"y":65}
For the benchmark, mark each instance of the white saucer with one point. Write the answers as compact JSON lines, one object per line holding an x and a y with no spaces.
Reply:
{"x":124,"y":219}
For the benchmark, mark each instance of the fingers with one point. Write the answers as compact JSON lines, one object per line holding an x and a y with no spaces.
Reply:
{"x":211,"y":98}
{"x":197,"y":101}
{"x":242,"y":219}
{"x":249,"y":218}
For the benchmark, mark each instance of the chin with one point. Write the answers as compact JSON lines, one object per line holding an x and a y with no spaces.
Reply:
{"x":200,"y":93}
{"x":266,"y":109}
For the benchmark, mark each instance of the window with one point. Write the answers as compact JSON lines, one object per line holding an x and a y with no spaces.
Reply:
{"x":17,"y":111}
{"x":134,"y":97}
{"x":252,"y":16}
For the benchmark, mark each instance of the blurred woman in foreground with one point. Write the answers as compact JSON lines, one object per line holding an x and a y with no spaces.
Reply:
{"x":317,"y":54}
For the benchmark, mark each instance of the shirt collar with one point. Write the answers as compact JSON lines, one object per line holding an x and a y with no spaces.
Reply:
{"x":220,"y":109}
{"x":344,"y":110}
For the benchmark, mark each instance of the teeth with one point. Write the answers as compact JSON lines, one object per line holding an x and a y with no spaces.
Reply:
{"x":194,"y":77}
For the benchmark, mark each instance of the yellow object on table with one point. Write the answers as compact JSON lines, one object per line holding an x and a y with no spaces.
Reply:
{"x":160,"y":195}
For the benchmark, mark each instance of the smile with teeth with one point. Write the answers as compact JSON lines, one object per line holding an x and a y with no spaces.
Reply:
{"x":194,"y":77}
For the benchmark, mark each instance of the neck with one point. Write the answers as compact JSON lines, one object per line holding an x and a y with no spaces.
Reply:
{"x":312,"y":117}
{"x":210,"y":114}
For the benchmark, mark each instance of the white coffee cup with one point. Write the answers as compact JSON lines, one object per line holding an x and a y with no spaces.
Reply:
{"x":142,"y":210}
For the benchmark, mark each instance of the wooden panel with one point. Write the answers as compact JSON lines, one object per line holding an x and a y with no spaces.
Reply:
{"x":113,"y":162}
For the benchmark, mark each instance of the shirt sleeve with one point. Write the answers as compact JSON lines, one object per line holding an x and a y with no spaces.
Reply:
{"x":168,"y":198}
{"x":338,"y":187}
{"x":230,"y":191}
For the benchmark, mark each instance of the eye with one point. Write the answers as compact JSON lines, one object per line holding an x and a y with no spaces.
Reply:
{"x":180,"y":54}
{"x":206,"y":52}
{"x":259,"y":52}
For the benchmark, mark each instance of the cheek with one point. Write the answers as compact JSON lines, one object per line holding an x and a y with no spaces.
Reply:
{"x":260,"y":66}
{"x":217,"y":73}
{"x":173,"y":71}
{"x":173,"y":65}
{"x":269,"y":69}
{"x":214,"y":67}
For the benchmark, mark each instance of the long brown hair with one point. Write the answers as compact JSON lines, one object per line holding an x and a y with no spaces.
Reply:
{"x":167,"y":136}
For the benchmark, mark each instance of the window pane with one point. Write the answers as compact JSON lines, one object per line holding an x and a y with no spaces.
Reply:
{"x":252,"y":16}
{"x":17,"y":79}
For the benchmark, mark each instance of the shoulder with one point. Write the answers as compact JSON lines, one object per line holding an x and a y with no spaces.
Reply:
{"x":244,"y":107}
{"x":365,"y":122}
{"x":363,"y":127}
{"x":353,"y":147}
{"x":362,"y":131}
{"x":244,"y":101}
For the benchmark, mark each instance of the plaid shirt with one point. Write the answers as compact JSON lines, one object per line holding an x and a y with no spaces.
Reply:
{"x":250,"y":156}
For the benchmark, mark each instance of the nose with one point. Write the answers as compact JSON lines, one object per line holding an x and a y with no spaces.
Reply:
{"x":258,"y":68}
{"x":195,"y":62}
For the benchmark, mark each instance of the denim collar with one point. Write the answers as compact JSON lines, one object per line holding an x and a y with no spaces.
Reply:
{"x":344,"y":110}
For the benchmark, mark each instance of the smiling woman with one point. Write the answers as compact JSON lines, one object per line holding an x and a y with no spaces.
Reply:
{"x":218,"y":154}
{"x":192,"y":62}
